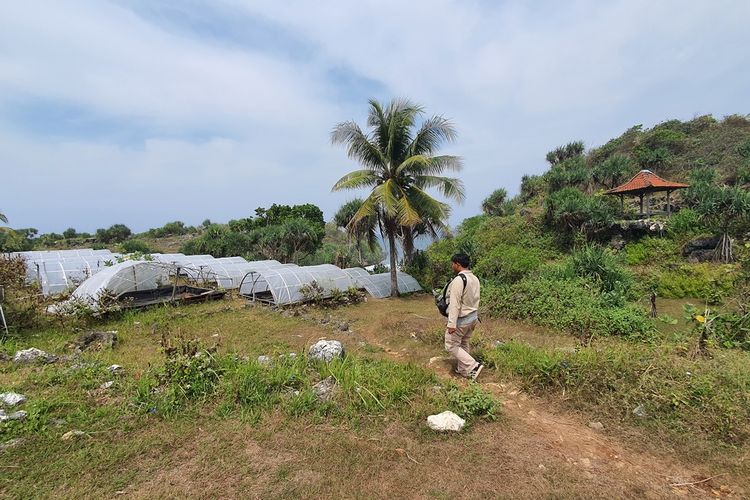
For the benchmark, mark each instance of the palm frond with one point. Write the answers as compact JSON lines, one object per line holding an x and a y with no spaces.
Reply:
{"x":449,"y":187}
{"x":369,"y":208}
{"x":430,"y":165}
{"x":433,"y":132}
{"x":3,"y":218}
{"x":359,"y":146}
{"x":355,"y":180}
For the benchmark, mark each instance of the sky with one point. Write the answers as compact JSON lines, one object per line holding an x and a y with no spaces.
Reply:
{"x":143,"y":112}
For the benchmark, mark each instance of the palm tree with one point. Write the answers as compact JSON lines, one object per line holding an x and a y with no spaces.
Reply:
{"x":364,"y":230}
{"x":399,"y":164}
{"x":4,"y":220}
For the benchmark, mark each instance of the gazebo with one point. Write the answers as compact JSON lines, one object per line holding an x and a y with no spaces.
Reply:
{"x":645,"y":183}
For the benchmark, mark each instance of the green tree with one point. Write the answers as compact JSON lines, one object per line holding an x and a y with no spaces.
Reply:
{"x":3,"y":218}
{"x":613,"y":171}
{"x":114,"y":234}
{"x":399,"y":165}
{"x":570,"y":211}
{"x":69,"y":233}
{"x":724,"y":208}
{"x":497,"y":204}
{"x":562,"y":153}
{"x":291,"y":240}
{"x":362,"y":231}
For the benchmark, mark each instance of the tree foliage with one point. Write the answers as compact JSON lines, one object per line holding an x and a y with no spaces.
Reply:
{"x":399,"y":164}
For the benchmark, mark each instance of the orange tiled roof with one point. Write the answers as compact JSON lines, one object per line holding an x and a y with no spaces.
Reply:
{"x":646,"y":180}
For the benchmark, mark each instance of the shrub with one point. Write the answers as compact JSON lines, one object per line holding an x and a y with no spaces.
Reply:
{"x":506,"y":264}
{"x":603,"y":267}
{"x":136,"y":246}
{"x":472,"y":402}
{"x":686,"y":222}
{"x":574,"y":306}
{"x":704,"y":281}
{"x":650,"y":250}
{"x":570,"y":211}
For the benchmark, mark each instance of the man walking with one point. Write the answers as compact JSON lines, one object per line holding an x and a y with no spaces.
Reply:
{"x":463,"y":304}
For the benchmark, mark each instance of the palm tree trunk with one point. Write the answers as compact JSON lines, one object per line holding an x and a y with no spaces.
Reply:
{"x":390,"y":228}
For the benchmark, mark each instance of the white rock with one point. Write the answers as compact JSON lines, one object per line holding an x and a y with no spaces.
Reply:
{"x":107,"y":385}
{"x":324,"y":389}
{"x":597,"y":426}
{"x":16,"y":415}
{"x":12,"y":398}
{"x":114,"y":369}
{"x":446,"y":421}
{"x":264,"y":360}
{"x":32,"y":355}
{"x":326,"y":350}
{"x":640,"y":411}
{"x":73,"y":435}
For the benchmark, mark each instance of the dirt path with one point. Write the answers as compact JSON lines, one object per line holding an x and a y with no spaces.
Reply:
{"x":539,"y":433}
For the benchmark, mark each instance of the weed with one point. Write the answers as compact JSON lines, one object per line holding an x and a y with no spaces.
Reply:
{"x":472,"y":403}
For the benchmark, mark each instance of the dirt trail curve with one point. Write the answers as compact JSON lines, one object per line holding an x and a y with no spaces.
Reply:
{"x":549,"y":436}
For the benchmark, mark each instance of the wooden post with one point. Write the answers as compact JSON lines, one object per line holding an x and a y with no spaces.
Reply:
{"x":648,"y":204}
{"x":653,"y":304}
{"x":640,"y":196}
{"x":622,"y":204}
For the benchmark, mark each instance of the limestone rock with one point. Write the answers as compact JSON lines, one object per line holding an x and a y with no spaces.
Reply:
{"x":12,"y":398}
{"x":264,"y":360}
{"x":16,"y":415}
{"x":34,"y":355}
{"x":114,"y":369}
{"x":446,"y":421}
{"x":95,"y":340}
{"x":597,"y":426}
{"x":74,"y":435}
{"x":326,"y":350}
{"x":324,"y":389}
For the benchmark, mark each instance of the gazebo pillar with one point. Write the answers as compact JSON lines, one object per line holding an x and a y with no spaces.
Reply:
{"x":669,"y":205}
{"x":640,"y":197}
{"x":648,"y":204}
{"x":622,"y":204}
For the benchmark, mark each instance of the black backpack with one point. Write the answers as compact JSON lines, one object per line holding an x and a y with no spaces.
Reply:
{"x":440,"y":301}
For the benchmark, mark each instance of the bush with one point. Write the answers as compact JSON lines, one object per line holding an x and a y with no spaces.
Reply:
{"x":136,"y":246}
{"x":709,"y":282}
{"x":686,"y":222}
{"x":575,"y":306}
{"x":472,"y":402}
{"x":570,"y":211}
{"x":650,"y":250}
{"x":603,"y":267}
{"x":506,"y":264}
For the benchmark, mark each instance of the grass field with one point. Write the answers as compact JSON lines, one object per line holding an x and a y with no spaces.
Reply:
{"x":244,"y":433}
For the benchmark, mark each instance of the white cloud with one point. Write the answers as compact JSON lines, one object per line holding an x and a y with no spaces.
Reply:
{"x":234,"y":126}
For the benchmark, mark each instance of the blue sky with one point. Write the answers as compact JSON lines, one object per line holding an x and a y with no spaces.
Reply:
{"x":145,"y":111}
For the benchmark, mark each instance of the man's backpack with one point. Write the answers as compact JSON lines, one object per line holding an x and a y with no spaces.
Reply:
{"x":441,"y":302}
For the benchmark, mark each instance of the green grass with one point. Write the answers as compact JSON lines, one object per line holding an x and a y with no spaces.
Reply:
{"x":708,"y":398}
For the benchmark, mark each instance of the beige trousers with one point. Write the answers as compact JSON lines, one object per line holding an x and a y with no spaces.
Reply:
{"x":457,"y":344}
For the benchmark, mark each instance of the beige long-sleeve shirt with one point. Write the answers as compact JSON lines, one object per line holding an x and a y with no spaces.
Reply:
{"x":462,"y":302}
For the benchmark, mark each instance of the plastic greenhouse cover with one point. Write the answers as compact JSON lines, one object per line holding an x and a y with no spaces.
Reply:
{"x":285,"y":282}
{"x":57,"y":271}
{"x":382,"y":284}
{"x":57,"y":276}
{"x":129,"y":276}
